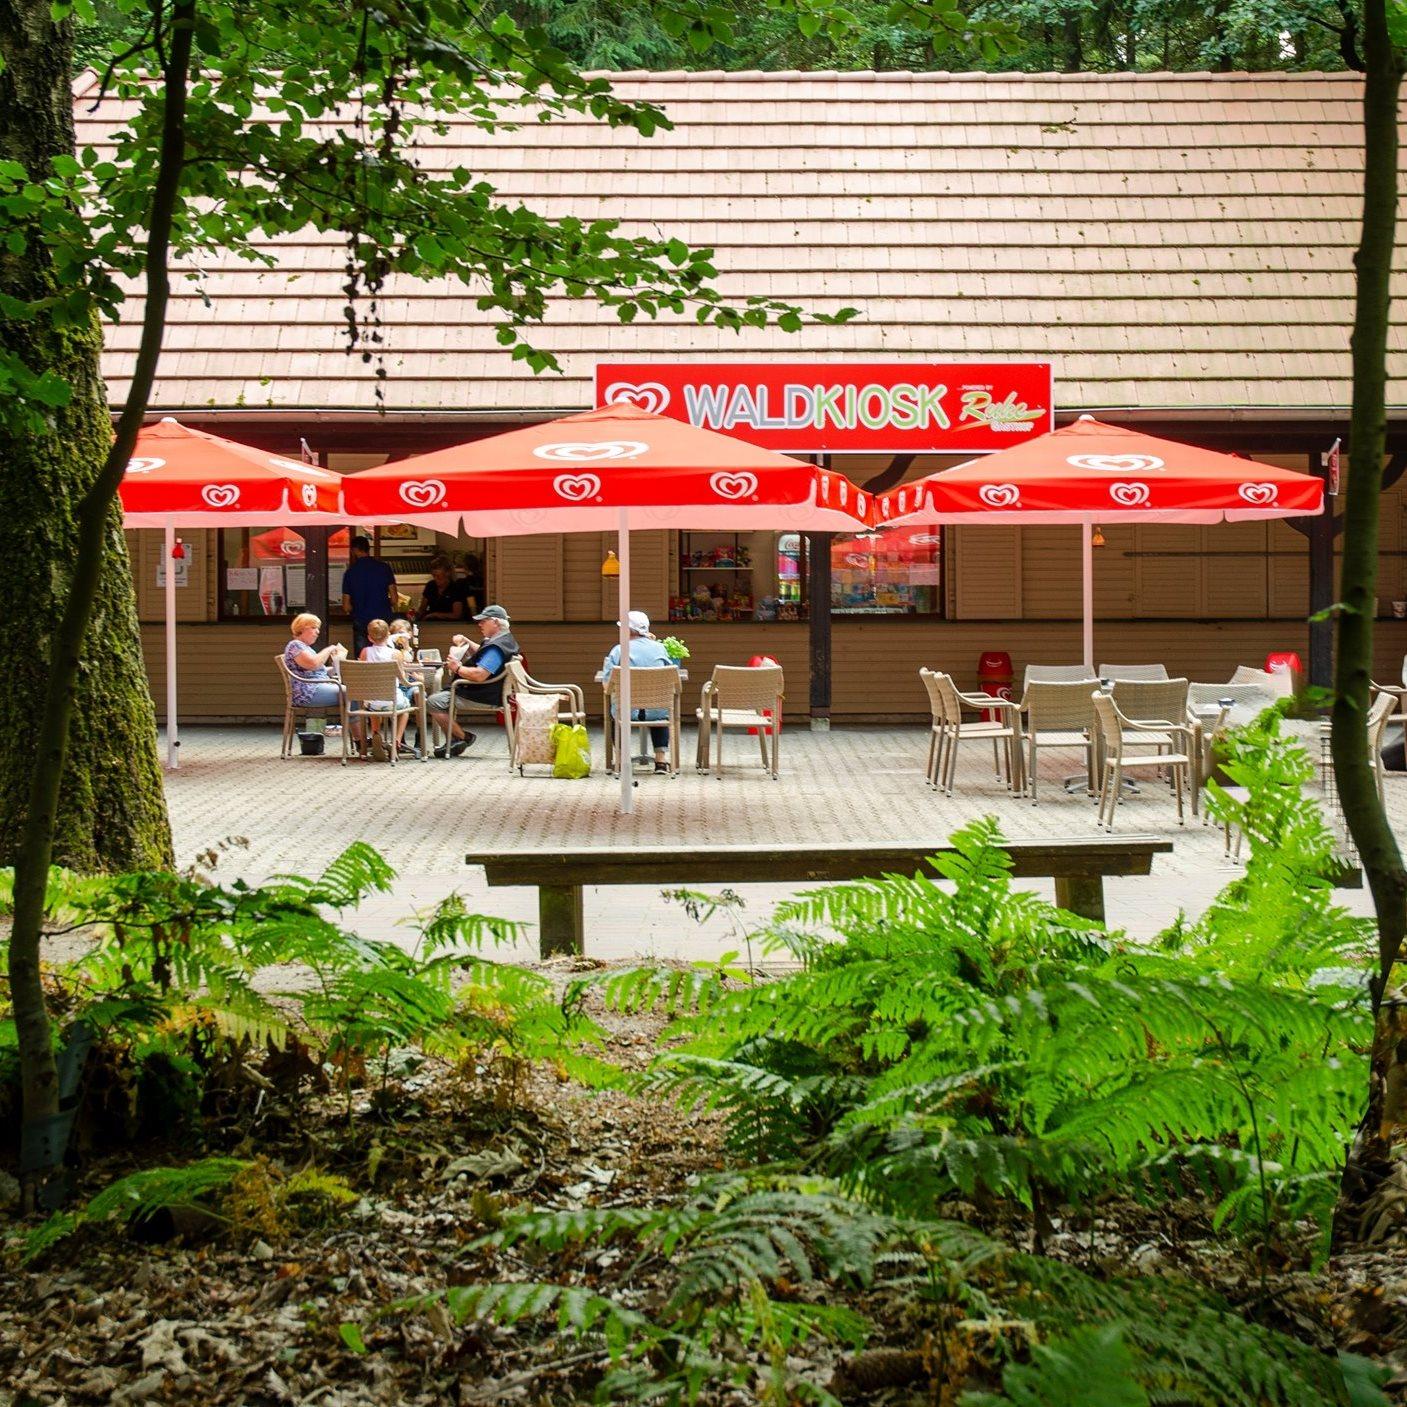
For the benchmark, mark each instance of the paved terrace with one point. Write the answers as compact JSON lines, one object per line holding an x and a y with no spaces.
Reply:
{"x":852,"y":784}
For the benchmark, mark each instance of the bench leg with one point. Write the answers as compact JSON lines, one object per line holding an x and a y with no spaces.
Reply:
{"x":559,"y":920}
{"x":1081,"y":894}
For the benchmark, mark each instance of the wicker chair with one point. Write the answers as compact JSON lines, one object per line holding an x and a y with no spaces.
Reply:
{"x":294,"y":711}
{"x":517,"y":680}
{"x":459,"y":705}
{"x":1114,"y":730}
{"x":365,"y":683}
{"x":1004,"y":733}
{"x":1380,"y":714}
{"x":1055,"y":674}
{"x":1148,"y":673}
{"x":1058,"y":714}
{"x":655,"y":687}
{"x":739,"y":696}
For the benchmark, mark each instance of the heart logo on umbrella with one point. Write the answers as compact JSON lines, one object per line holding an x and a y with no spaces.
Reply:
{"x":220,"y":495}
{"x":143,"y":466}
{"x":310,"y":495}
{"x":577,"y":488}
{"x":999,"y":495}
{"x":648,"y":395}
{"x":734,"y":486}
{"x":857,"y":559}
{"x":1116,"y":463}
{"x":1259,"y":493}
{"x":288,"y":464}
{"x":1129,"y":495}
{"x":528,"y":516}
{"x":423,"y":493}
{"x":587,"y":451}
{"x":925,"y":539}
{"x":291,"y":549}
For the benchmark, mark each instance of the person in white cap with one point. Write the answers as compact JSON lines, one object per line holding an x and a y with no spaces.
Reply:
{"x":645,"y":653}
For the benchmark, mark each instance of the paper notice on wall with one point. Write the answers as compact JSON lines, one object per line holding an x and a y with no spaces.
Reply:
{"x":297,"y":579}
{"x":241,"y":578}
{"x":183,"y":573}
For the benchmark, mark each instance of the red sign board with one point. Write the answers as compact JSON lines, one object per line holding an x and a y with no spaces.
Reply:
{"x":845,"y":407}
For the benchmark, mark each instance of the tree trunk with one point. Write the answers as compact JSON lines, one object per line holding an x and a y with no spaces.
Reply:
{"x":1385,"y":1121}
{"x":112,"y":812}
{"x":90,"y":527}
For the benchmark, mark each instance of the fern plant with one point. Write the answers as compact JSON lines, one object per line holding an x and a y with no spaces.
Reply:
{"x":749,"y":1269}
{"x":982,"y":1042}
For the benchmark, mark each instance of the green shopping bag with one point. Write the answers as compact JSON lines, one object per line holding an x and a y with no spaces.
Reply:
{"x":573,"y":751}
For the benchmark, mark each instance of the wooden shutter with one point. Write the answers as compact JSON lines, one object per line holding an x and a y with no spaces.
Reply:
{"x":525,"y":576}
{"x":986,"y":567}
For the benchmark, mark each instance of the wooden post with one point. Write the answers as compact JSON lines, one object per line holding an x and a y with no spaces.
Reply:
{"x":315,"y":556}
{"x":818,"y":558}
{"x":1321,"y":532}
{"x":559,"y":913}
{"x":1082,"y":894}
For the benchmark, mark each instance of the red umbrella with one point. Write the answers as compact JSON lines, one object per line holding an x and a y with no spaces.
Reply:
{"x":615,"y":468}
{"x":284,"y":545}
{"x":184,"y":478}
{"x":1088,"y":473}
{"x":582,"y":472}
{"x":197,"y":480}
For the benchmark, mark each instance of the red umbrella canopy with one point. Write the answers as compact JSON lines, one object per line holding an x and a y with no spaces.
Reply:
{"x":283,"y":545}
{"x":202,"y":481}
{"x":1089,"y":471}
{"x":576,"y":474}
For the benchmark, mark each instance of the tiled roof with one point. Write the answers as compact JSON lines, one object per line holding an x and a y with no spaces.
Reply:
{"x":1166,"y":240}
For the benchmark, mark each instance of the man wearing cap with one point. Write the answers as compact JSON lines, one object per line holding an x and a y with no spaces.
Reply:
{"x":645,"y":653}
{"x":477,"y":677}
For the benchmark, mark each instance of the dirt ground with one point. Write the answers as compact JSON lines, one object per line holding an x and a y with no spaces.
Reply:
{"x":252,"y":1315}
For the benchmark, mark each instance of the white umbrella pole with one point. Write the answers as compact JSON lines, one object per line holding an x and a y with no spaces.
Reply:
{"x":172,"y":742}
{"x":1087,"y":582}
{"x":624,"y":731}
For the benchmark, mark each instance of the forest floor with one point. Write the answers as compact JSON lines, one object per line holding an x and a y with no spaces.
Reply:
{"x":199,"y":1312}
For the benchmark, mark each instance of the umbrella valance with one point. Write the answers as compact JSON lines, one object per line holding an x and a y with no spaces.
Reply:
{"x":1091,"y":472}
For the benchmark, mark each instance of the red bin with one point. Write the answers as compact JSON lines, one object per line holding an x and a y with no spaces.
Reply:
{"x":995,"y":676}
{"x":760,"y":662}
{"x":1286,"y":661}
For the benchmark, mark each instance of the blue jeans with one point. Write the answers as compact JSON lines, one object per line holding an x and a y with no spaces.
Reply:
{"x":327,"y":696}
{"x":659,"y":737}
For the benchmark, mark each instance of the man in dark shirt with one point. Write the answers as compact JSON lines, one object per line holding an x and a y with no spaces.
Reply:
{"x":444,"y":598}
{"x":368,"y":592}
{"x":477,"y":677}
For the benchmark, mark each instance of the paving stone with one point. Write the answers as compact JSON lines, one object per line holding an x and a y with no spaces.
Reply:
{"x":851,"y":784}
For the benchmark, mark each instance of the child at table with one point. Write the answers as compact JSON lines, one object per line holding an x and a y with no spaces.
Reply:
{"x":380,"y":650}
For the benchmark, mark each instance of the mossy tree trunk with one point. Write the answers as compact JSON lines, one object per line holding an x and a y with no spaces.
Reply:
{"x":81,"y":780}
{"x":1370,"y":1161}
{"x":111,"y":813}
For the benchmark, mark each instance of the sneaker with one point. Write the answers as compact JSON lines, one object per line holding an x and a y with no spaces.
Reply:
{"x":661,"y":767}
{"x":405,"y":750}
{"x":461,"y":745}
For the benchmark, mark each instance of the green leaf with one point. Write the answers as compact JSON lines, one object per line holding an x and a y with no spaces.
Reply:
{"x":352,"y":1336}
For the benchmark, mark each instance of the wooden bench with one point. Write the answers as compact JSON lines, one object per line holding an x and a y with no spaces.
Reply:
{"x":1078,"y":866}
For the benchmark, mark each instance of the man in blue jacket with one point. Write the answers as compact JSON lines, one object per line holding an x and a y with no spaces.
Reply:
{"x":476,"y":677}
{"x":645,"y":653}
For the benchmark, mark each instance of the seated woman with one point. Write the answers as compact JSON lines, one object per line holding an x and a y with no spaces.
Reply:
{"x":645,"y":653}
{"x":380,"y":650}
{"x":313,"y":684}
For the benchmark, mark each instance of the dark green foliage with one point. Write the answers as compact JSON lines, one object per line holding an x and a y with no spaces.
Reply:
{"x":185,"y":979}
{"x":980,"y":1042}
